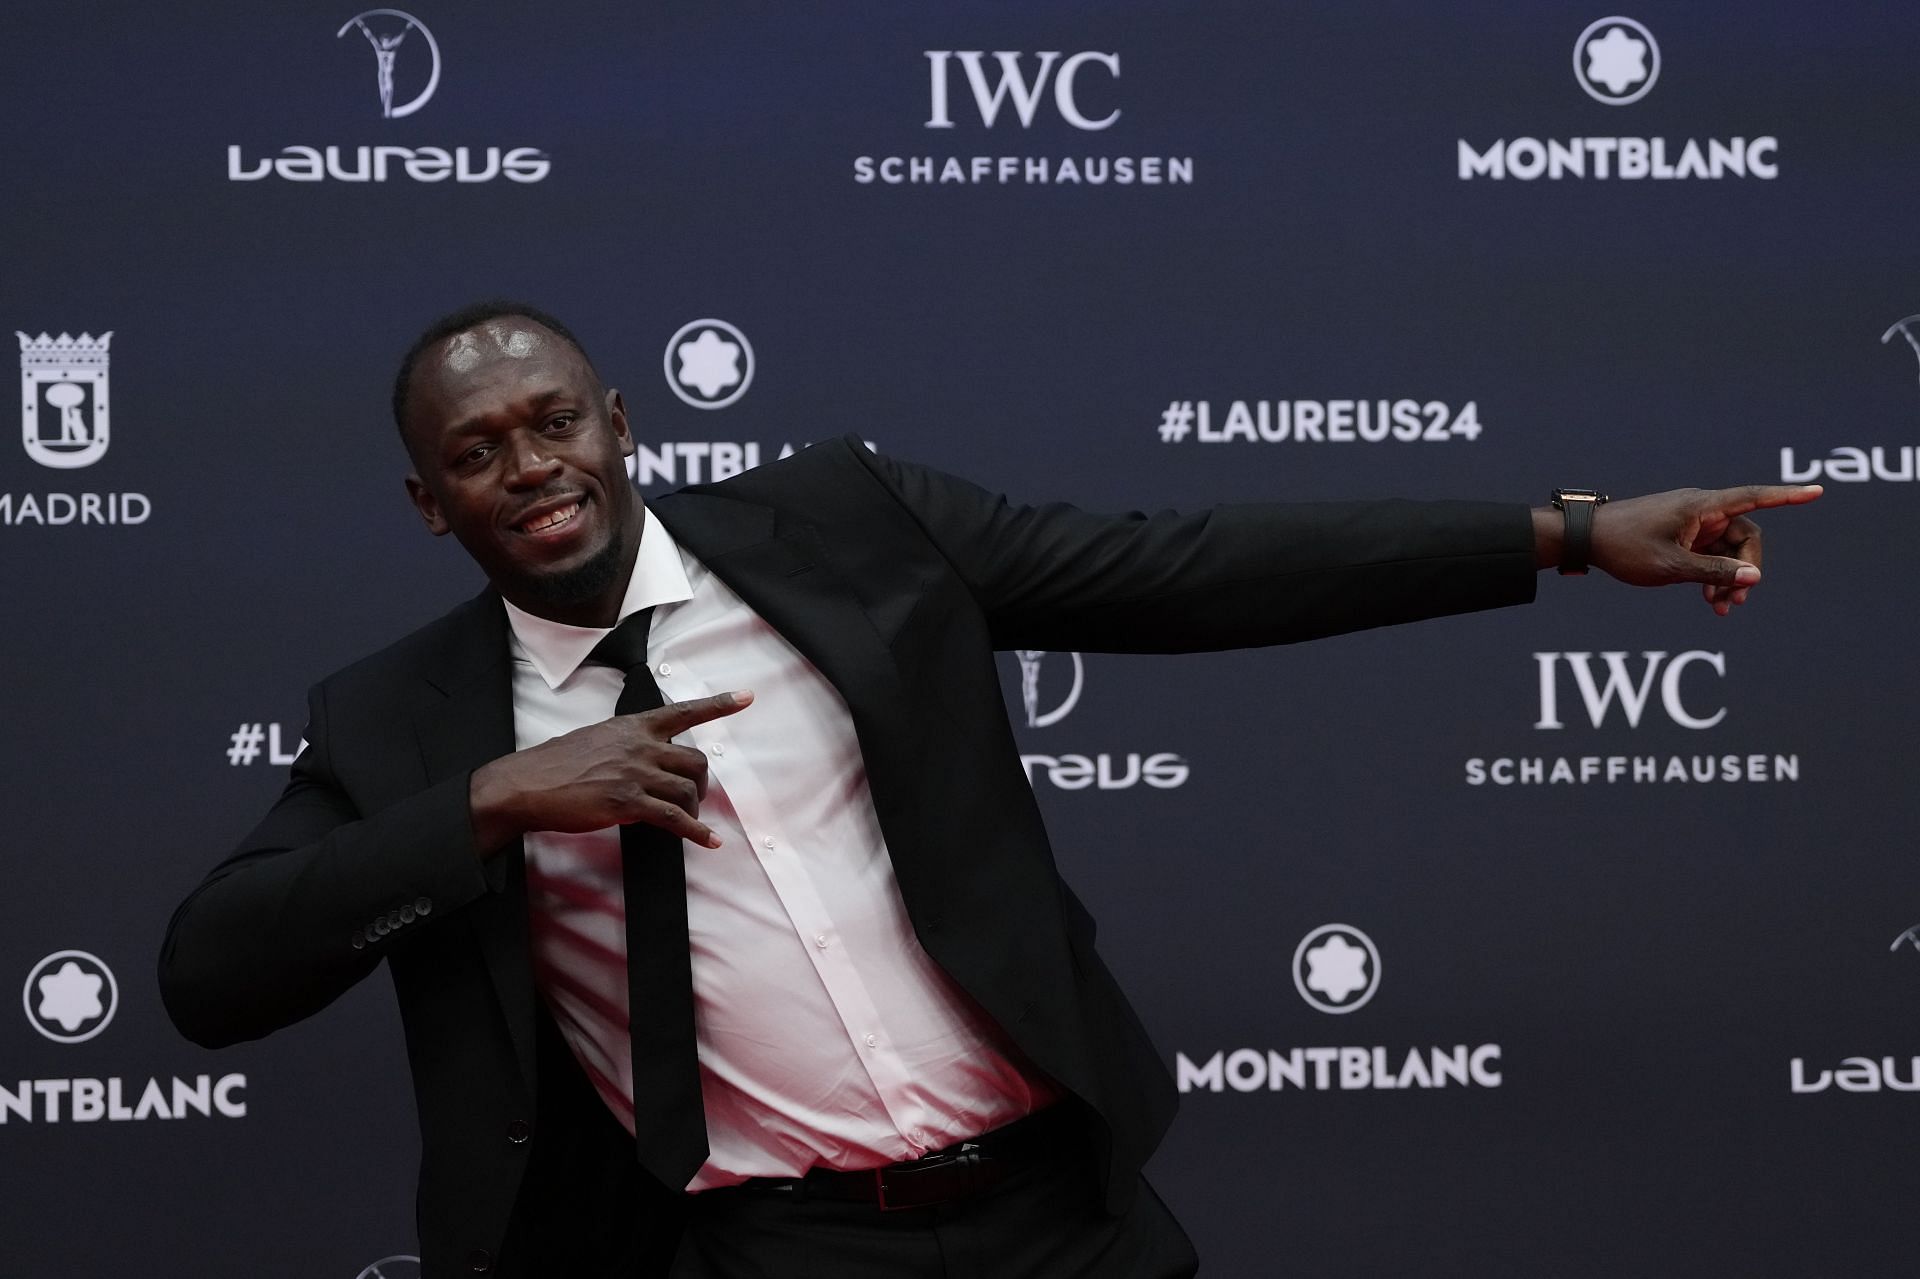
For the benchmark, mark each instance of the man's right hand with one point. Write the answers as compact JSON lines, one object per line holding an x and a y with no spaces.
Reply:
{"x":626,"y":769}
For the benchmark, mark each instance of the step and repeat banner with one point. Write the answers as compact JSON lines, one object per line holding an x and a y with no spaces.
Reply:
{"x":1575,"y":939}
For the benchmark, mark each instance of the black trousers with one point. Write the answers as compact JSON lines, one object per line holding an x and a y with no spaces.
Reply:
{"x":586,"y":1210}
{"x":1044,"y":1222}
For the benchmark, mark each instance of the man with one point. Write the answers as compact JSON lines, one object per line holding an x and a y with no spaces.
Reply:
{"x":725,"y":933}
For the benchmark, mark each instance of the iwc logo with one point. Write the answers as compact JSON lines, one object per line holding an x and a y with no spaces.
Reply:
{"x":1336,"y":968}
{"x":387,"y":33}
{"x":63,"y":398}
{"x":1616,"y":61}
{"x":70,"y":996}
{"x":709,"y":364}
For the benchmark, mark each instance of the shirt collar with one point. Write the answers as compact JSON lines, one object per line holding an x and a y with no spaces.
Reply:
{"x":557,"y":649}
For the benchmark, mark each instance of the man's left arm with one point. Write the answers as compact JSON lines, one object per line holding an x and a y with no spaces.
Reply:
{"x":1055,"y":577}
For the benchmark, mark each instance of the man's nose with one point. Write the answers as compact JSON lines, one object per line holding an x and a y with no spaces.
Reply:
{"x":529,"y":463}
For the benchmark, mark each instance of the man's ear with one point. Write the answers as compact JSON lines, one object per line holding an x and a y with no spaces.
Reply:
{"x":617,"y":414}
{"x":427,"y":504}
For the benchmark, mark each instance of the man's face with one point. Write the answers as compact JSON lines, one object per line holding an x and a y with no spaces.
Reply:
{"x":520,"y":454}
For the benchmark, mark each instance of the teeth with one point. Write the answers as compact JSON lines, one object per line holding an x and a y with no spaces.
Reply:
{"x":552,"y":520}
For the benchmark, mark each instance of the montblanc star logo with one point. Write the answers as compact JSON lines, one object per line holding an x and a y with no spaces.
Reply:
{"x":1616,"y":61}
{"x":70,"y":996}
{"x":709,"y":364}
{"x":1336,"y":968}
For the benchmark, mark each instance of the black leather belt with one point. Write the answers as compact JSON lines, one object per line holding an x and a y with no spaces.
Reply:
{"x":960,"y":1171}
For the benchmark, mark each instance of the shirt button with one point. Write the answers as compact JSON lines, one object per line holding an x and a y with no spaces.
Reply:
{"x":718,"y":748}
{"x":873,"y":1041}
{"x":666,"y":668}
{"x":918,"y":1136}
{"x":820,"y":940}
{"x":767,"y":843}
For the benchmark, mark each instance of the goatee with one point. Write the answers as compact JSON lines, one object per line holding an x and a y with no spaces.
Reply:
{"x":582,"y":585}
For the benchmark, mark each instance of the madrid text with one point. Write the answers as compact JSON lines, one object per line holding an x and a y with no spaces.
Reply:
{"x":74,"y":508}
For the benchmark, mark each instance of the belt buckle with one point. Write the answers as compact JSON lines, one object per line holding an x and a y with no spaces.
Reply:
{"x":880,"y":1180}
{"x":880,"y":1192}
{"x":967,"y":1156}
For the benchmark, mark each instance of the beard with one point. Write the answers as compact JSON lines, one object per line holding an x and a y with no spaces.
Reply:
{"x":580,"y":585}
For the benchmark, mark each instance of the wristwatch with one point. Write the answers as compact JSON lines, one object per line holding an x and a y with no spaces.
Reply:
{"x":1577,"y":506}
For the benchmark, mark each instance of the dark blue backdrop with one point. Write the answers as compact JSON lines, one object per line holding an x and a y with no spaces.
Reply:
{"x":1638,"y":964}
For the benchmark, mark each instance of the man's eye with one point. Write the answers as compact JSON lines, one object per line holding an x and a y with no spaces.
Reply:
{"x":475,"y":453}
{"x":562,"y":422}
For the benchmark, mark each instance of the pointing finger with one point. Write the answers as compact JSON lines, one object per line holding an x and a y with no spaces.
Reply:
{"x":1757,"y":497}
{"x":678,"y":717}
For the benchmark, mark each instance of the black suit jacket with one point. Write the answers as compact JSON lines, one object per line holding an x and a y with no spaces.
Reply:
{"x":898,"y":583}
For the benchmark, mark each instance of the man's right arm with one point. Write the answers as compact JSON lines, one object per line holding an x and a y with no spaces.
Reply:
{"x":313,"y":899}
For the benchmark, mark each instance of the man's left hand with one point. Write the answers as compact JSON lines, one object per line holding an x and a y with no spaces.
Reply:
{"x":1687,"y":535}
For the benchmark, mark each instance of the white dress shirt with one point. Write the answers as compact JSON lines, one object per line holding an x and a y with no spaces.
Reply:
{"x":827,"y":1036}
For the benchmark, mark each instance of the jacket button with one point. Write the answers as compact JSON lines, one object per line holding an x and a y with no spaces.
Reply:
{"x":381,"y":928}
{"x":359,"y":941}
{"x":480,"y":1261}
{"x":423,"y":905}
{"x":518,"y":1131}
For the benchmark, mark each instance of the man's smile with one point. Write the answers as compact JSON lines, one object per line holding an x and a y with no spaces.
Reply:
{"x":555,"y":518}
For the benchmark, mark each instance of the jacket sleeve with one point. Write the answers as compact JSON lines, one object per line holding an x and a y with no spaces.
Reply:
{"x":313,"y":899}
{"x":1055,"y":577}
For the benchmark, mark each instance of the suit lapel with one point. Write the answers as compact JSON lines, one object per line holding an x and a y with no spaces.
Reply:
{"x":469,"y":724}
{"x":780,"y":567}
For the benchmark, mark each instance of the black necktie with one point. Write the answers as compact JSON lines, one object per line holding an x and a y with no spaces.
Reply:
{"x":670,"y":1127}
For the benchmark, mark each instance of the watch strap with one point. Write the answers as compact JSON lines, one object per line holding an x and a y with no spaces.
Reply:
{"x":1576,"y":544}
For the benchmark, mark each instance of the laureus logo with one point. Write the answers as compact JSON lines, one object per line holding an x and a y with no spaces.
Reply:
{"x":406,"y":72}
{"x":1030,"y":663}
{"x":387,"y":32}
{"x":1905,"y":328}
{"x":401,"y":1267}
